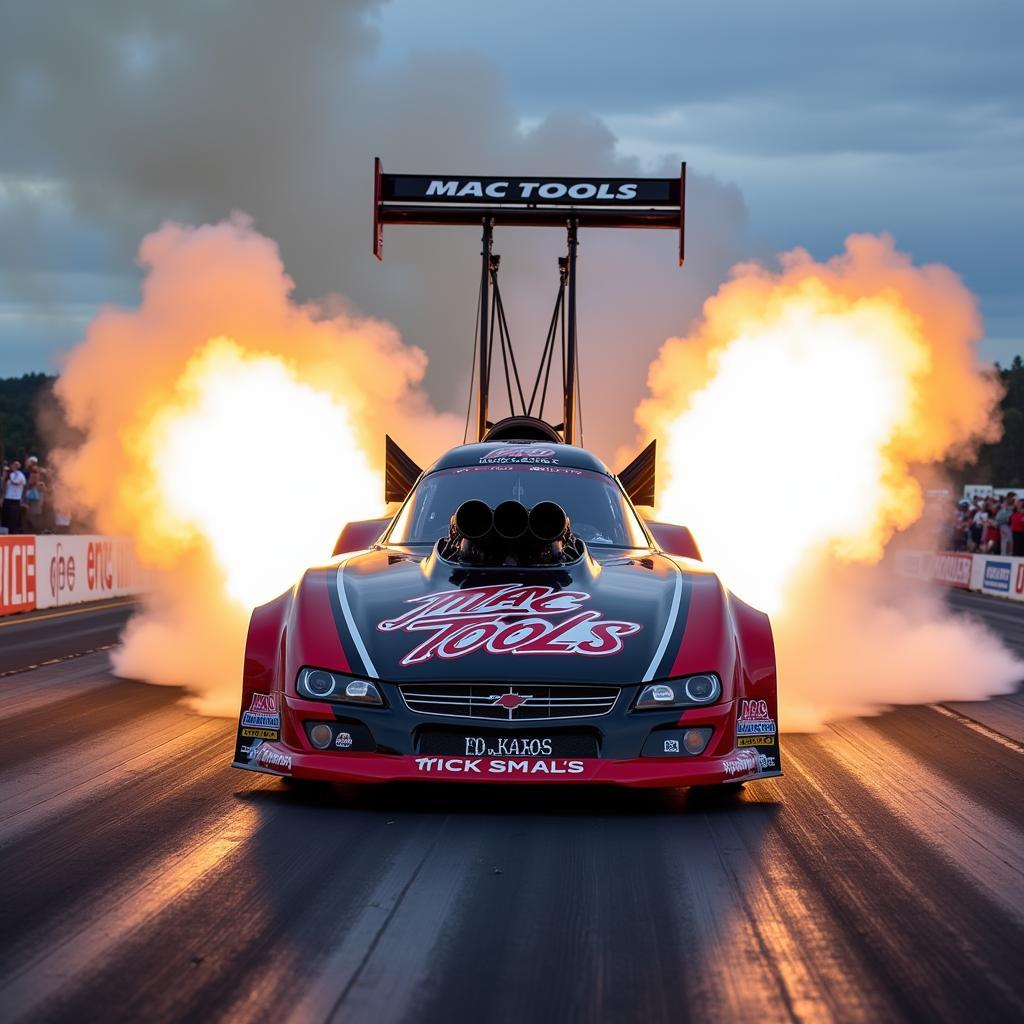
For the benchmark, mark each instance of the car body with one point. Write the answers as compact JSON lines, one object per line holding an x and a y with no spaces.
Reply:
{"x":400,"y":661}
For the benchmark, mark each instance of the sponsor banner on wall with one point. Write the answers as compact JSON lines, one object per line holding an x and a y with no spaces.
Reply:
{"x":17,"y":573}
{"x":953,"y":569}
{"x":997,"y":575}
{"x":1002,"y":576}
{"x":71,"y":569}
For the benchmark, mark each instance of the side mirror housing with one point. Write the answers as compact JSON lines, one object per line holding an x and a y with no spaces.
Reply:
{"x":359,"y":535}
{"x":674,"y":540}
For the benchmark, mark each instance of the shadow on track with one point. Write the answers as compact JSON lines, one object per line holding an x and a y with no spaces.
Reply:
{"x":471,"y":799}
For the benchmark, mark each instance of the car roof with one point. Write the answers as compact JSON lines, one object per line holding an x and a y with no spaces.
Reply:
{"x":526,"y":453}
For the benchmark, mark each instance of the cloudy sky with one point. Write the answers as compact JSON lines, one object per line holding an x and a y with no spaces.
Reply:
{"x":800,"y":122}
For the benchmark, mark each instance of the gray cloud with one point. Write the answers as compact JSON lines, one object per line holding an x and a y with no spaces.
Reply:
{"x":649,"y":54}
{"x":136,"y":112}
{"x":907,"y":117}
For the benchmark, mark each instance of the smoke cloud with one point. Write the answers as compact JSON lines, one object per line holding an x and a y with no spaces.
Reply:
{"x":128,"y":115}
{"x":797,"y":419}
{"x":231,"y":431}
{"x":119,"y":117}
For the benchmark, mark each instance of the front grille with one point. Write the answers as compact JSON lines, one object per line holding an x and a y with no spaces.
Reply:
{"x":481,"y":700}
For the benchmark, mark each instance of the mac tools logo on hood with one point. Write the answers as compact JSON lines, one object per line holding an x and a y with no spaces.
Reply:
{"x":508,"y":619}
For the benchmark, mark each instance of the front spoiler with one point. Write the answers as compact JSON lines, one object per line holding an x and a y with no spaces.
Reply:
{"x":738,"y":766}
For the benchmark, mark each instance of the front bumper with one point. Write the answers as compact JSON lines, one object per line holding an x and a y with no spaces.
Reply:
{"x":621,"y":736}
{"x":636,"y":772}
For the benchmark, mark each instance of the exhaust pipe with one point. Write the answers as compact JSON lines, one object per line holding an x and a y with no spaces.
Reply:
{"x":509,"y":535}
{"x":548,"y":521}
{"x":511,"y":520}
{"x":473,"y":519}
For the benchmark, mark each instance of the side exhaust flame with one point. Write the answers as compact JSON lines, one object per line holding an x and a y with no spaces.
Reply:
{"x":227,"y":431}
{"x":797,"y":419}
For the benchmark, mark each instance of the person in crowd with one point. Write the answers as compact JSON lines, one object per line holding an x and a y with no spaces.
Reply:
{"x":1002,"y":519}
{"x":1017,"y":527}
{"x":33,"y":498}
{"x":13,"y":487}
{"x":978,"y":519}
{"x":961,"y":525}
{"x":990,"y":538}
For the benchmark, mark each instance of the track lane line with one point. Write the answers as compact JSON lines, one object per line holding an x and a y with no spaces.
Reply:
{"x":63,"y":613}
{"x":979,"y":727}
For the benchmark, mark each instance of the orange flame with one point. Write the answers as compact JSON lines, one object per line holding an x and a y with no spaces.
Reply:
{"x":227,"y":432}
{"x":795,"y":420}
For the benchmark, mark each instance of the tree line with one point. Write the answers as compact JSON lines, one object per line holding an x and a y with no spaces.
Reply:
{"x":22,"y":402}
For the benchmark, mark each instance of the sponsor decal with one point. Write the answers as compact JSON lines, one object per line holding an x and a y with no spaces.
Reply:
{"x":99,"y":565}
{"x":520,"y":190}
{"x":62,"y":572}
{"x":504,"y":746}
{"x":508,"y":619}
{"x":756,"y":741}
{"x":17,"y":574}
{"x":263,"y":756}
{"x":743,"y":762}
{"x":530,"y":467}
{"x":84,"y":567}
{"x":754,"y":719}
{"x":497,"y":766}
{"x":531,"y":453}
{"x":343,"y":740}
{"x":766,"y":762}
{"x":954,"y":570}
{"x":262,"y":712}
{"x":997,"y":576}
{"x":671,"y":746}
{"x":261,"y":734}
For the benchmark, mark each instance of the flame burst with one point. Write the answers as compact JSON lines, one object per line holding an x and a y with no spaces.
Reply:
{"x":239,"y":463}
{"x":227,"y":431}
{"x":796,"y":418}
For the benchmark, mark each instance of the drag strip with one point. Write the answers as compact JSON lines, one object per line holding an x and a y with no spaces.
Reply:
{"x":41,"y":638}
{"x":882,"y":879}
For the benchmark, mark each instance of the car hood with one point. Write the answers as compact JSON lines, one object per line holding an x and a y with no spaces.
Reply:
{"x":403,"y":617}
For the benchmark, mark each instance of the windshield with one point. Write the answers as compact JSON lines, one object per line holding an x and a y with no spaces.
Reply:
{"x":597,"y":509}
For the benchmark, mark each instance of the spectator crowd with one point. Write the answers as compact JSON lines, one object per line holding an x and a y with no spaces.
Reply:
{"x":990,"y":526}
{"x":28,"y":505}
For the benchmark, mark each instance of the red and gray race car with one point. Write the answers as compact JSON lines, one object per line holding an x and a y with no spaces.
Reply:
{"x":516,"y":620}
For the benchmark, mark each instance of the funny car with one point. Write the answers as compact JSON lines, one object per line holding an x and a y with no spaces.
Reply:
{"x":515,"y":618}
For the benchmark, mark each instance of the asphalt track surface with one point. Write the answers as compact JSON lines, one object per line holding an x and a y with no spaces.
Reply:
{"x":142,"y":879}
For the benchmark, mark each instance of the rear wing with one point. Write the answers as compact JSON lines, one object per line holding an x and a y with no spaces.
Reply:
{"x":528,"y":202}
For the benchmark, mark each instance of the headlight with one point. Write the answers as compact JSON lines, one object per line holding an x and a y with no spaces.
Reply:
{"x":319,"y":684}
{"x":680,"y":693}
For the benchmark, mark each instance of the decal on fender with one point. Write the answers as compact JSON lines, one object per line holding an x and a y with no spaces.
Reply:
{"x":262,"y":713}
{"x":754,"y":719}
